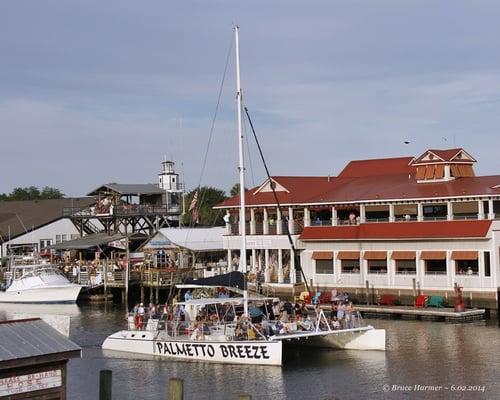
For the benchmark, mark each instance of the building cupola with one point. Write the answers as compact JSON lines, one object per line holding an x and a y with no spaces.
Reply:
{"x":443,"y":165}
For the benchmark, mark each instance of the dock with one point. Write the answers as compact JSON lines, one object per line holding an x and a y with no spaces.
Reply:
{"x":426,"y":314}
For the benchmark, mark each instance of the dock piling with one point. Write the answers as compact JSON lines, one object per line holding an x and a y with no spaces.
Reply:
{"x":176,"y":389}
{"x":105,"y":384}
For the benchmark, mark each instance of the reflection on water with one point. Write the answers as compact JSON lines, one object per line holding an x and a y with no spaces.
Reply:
{"x":418,"y":353}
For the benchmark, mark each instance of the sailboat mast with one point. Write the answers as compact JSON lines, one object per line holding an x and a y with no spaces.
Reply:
{"x":243,"y":249}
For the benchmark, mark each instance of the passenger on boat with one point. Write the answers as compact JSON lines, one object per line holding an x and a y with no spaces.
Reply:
{"x":139,"y":317}
{"x":335,"y":323}
{"x":341,"y":312}
{"x":188,"y":295}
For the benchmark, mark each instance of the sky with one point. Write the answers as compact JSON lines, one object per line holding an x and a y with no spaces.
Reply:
{"x":94,"y":91}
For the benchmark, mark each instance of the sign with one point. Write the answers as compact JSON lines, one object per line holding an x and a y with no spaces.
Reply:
{"x":31,"y":382}
{"x":246,"y":352}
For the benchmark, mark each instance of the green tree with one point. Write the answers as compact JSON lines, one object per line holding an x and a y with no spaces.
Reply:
{"x":206,"y":199}
{"x":235,"y":190}
{"x":51,"y":193}
{"x":32,"y":193}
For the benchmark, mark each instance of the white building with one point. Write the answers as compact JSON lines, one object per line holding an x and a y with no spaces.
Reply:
{"x":398,"y":223}
{"x":36,"y":224}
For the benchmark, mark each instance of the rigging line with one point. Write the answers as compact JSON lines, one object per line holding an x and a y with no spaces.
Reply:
{"x":248,"y":154}
{"x":271,"y":182}
{"x":213,"y":121}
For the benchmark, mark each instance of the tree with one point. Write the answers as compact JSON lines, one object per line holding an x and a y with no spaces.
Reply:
{"x":32,"y":193}
{"x":51,"y":193}
{"x":206,"y":199}
{"x":235,"y":190}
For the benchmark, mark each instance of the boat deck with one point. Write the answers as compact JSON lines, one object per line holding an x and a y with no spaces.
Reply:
{"x":431,"y":314}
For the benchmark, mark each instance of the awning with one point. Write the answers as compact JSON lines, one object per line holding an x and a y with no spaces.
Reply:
{"x":433,"y":255}
{"x":375,"y":255}
{"x":322,"y":255}
{"x":348,"y":255}
{"x":464,"y":255}
{"x":403,"y":255}
{"x":232,"y":279}
{"x":87,"y":242}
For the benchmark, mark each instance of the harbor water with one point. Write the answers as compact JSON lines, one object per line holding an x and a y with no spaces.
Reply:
{"x":424,"y":360}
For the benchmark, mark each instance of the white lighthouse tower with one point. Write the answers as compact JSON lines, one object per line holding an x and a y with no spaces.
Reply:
{"x":168,"y":180}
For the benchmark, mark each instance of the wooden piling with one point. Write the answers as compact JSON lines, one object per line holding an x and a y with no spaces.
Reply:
{"x":105,"y":384}
{"x":367,"y":292}
{"x":176,"y":389}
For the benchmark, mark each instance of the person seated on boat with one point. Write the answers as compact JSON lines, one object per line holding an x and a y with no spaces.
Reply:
{"x":334,"y":309}
{"x":299,"y":322}
{"x":267,"y":329}
{"x":335,"y":323}
{"x":188,"y":295}
{"x":308,"y":324}
{"x":238,"y":332}
{"x":341,"y":312}
{"x":152,"y":311}
{"x":303,"y":309}
{"x":276,"y":309}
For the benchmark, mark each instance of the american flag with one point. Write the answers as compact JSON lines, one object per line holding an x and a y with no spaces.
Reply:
{"x":194,"y":202}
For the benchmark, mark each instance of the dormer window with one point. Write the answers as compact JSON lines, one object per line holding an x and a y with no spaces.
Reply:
{"x":443,"y":165}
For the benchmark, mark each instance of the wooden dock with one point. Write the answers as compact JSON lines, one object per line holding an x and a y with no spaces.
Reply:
{"x":429,"y":314}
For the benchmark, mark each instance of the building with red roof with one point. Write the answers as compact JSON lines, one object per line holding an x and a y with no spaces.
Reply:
{"x":396,"y":223}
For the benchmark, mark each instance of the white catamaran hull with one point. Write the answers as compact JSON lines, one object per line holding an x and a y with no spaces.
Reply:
{"x":254,"y":352}
{"x":50,"y":294}
{"x":365,"y":338}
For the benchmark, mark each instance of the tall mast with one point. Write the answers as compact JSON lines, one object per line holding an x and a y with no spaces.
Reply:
{"x":243,"y":249}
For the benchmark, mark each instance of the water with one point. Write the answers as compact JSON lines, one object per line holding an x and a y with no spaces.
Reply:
{"x":420,"y":357}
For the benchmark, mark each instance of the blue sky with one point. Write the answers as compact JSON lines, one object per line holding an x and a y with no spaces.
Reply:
{"x":95,"y":92}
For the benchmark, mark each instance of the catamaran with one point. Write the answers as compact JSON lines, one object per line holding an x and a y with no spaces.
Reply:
{"x":235,"y":329}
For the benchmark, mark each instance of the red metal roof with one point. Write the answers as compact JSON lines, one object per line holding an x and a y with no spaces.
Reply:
{"x":399,"y":230}
{"x":369,"y":180}
{"x":377,"y":167}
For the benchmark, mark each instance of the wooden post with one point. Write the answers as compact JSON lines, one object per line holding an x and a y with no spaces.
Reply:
{"x":498,"y":305}
{"x":176,"y":389}
{"x":367,"y":292}
{"x":105,"y":271}
{"x":414,"y":282}
{"x":105,"y":384}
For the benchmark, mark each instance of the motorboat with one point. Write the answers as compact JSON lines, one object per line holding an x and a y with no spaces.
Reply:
{"x":37,"y":283}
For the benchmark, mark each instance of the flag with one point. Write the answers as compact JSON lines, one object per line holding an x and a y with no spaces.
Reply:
{"x":194,"y":202}
{"x":193,"y":209}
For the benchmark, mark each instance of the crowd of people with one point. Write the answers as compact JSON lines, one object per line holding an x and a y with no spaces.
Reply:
{"x":271,"y":318}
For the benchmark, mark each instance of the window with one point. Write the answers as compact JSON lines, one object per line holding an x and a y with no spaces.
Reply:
{"x":406,"y":267}
{"x":437,"y":211}
{"x":350,"y":266}
{"x":45,"y":243}
{"x":324,"y":266}
{"x":487,"y":265}
{"x":74,"y":236}
{"x":58,"y":238}
{"x":377,"y":266}
{"x":466,"y":267}
{"x":435,"y":267}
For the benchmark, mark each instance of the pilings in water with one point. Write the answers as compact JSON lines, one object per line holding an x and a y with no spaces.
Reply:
{"x":175,"y":387}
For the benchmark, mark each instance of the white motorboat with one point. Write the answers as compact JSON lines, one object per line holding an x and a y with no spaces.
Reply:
{"x":38,"y":283}
{"x":189,"y":333}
